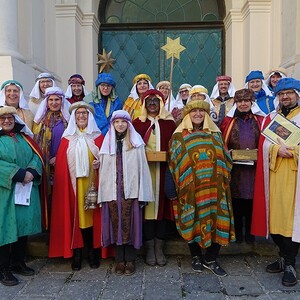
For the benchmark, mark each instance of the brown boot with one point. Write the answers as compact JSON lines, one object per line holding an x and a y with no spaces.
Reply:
{"x":159,"y":254}
{"x":150,"y":254}
{"x":130,"y":268}
{"x":120,"y":268}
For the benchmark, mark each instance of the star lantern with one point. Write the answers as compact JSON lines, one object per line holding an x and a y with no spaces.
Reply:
{"x":105,"y":61}
{"x":173,"y":48}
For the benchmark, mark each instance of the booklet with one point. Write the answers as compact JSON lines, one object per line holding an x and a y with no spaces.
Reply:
{"x":22,"y":193}
{"x":284,"y":129}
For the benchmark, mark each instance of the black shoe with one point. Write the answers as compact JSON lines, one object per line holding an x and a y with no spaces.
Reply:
{"x":76,"y":260}
{"x":215,"y":268}
{"x":7,"y":278}
{"x":276,"y":267}
{"x":289,"y":276}
{"x":197,"y":265}
{"x":94,"y":258}
{"x":22,"y":269}
{"x":250,"y":239}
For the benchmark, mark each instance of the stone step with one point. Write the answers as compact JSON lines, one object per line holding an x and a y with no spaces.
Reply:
{"x":38,"y":247}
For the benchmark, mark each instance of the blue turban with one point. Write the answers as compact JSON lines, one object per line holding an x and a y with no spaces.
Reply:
{"x":287,"y":84}
{"x":14,"y":82}
{"x":105,"y":78}
{"x":254,"y":75}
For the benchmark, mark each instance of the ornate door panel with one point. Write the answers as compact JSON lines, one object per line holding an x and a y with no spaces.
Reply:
{"x":139,"y":51}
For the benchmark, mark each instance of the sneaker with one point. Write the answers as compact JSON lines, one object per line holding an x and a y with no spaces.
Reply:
{"x":7,"y":278}
{"x":289,"y":276}
{"x":197,"y":265}
{"x":22,"y":269}
{"x":215,"y":268}
{"x":277,"y":266}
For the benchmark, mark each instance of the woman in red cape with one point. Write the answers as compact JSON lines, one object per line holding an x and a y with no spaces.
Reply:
{"x":72,"y":225}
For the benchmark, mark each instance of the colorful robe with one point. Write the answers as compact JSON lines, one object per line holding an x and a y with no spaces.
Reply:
{"x":201,"y":167}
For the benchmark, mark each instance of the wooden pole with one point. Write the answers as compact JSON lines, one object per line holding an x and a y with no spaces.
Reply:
{"x":171,"y":79}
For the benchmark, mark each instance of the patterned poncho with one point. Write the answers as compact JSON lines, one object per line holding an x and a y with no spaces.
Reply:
{"x":201,"y":166}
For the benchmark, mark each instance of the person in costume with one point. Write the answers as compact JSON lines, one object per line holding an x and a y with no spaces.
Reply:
{"x":73,"y":225}
{"x":199,"y":92}
{"x":156,"y":126}
{"x":276,"y":203}
{"x":180,"y":101}
{"x":263,"y":96}
{"x":273,"y":77}
{"x":165,"y":88}
{"x":20,"y":208}
{"x":37,"y":94}
{"x":241,"y":130}
{"x":76,"y":90}
{"x":104,"y":100}
{"x":200,"y":166}
{"x":222,"y":96}
{"x":124,"y":188}
{"x":12,"y":95}
{"x":133,"y":104}
{"x":49,"y":124}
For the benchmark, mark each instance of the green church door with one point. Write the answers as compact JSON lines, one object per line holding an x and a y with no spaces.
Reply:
{"x":139,"y":51}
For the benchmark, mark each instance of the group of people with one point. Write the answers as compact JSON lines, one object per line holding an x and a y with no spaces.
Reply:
{"x":110,"y":176}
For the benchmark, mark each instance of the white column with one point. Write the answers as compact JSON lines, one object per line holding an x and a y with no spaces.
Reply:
{"x":77,"y":43}
{"x":9,"y":28}
{"x":234,"y":56}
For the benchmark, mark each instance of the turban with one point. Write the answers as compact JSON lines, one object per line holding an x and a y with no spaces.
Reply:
{"x":153,"y":92}
{"x":244,"y":94}
{"x":141,"y":76}
{"x":105,"y":78}
{"x":223,"y":78}
{"x":76,"y":79}
{"x":254,"y":75}
{"x":287,"y":84}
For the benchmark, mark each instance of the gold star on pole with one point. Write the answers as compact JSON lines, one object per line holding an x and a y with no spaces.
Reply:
{"x":105,"y":61}
{"x":173,"y":48}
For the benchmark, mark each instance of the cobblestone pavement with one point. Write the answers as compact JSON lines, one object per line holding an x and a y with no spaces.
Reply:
{"x":247,"y":279}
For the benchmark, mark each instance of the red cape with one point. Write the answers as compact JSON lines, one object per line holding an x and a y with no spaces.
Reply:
{"x":167,"y":127}
{"x":259,"y":220}
{"x":259,"y":225}
{"x":65,"y":234}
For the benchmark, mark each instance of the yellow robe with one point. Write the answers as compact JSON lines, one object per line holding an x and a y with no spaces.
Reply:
{"x":283,"y":180}
{"x":133,"y":107}
{"x":152,"y":208}
{"x":83,"y":183}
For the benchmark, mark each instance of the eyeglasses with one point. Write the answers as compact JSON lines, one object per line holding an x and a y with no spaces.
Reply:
{"x":84,"y":113}
{"x":152,"y":101}
{"x":106,"y":86}
{"x":184,"y":91}
{"x":9,"y":119}
{"x":288,"y":93}
{"x":47,"y":81}
{"x":165,"y":88}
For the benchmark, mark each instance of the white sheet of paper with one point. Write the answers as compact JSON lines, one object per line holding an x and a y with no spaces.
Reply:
{"x":22,"y":193}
